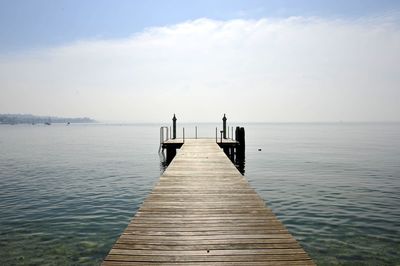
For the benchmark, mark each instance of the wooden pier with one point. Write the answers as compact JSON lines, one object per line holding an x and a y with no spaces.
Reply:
{"x":204,"y":212}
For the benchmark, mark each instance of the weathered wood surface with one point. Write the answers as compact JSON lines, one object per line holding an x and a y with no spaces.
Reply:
{"x":203,"y":212}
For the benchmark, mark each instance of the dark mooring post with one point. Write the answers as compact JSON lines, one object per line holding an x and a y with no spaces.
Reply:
{"x":224,"y":126}
{"x":174,"y":127}
{"x":223,"y":134}
{"x":240,"y":149}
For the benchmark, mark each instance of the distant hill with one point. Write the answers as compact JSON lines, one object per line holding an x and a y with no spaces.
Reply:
{"x":33,"y":119}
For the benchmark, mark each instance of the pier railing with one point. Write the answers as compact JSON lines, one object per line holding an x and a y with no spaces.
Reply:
{"x":165,"y":134}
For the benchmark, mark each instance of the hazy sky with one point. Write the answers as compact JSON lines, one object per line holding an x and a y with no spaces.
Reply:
{"x":142,"y":61}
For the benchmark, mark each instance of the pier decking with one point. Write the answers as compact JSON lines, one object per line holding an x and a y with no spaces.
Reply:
{"x":203,"y":212}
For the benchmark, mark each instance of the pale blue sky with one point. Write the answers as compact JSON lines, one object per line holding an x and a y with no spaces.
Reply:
{"x":142,"y":61}
{"x":40,"y":23}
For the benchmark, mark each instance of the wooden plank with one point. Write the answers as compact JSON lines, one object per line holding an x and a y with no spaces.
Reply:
{"x":208,"y":246}
{"x":170,"y":233}
{"x":264,"y":263}
{"x":207,"y":252}
{"x":204,"y":212}
{"x":157,"y":241}
{"x":204,"y":226}
{"x":206,"y":258}
{"x":208,"y":237}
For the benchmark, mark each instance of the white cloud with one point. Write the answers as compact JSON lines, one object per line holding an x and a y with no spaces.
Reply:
{"x":293,"y":69}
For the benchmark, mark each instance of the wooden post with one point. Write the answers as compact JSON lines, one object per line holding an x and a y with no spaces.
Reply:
{"x":224,"y":126}
{"x":240,"y":149}
{"x":174,"y":127}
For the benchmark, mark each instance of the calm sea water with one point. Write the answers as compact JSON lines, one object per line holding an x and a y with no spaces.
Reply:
{"x":67,"y":192}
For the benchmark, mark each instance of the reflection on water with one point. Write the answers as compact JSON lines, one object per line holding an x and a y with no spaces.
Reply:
{"x":163,"y":160}
{"x":240,"y":166}
{"x":163,"y":165}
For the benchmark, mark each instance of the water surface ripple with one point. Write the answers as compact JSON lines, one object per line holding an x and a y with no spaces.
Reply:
{"x":335,"y":186}
{"x":67,"y":192}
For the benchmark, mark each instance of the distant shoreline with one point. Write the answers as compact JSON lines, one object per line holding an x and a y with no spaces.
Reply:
{"x":12,"y":119}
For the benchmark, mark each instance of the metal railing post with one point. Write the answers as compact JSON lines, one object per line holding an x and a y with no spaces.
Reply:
{"x":163,"y":130}
{"x":183,"y":135}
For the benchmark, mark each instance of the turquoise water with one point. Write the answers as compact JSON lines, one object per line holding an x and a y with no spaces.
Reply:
{"x":67,"y":192}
